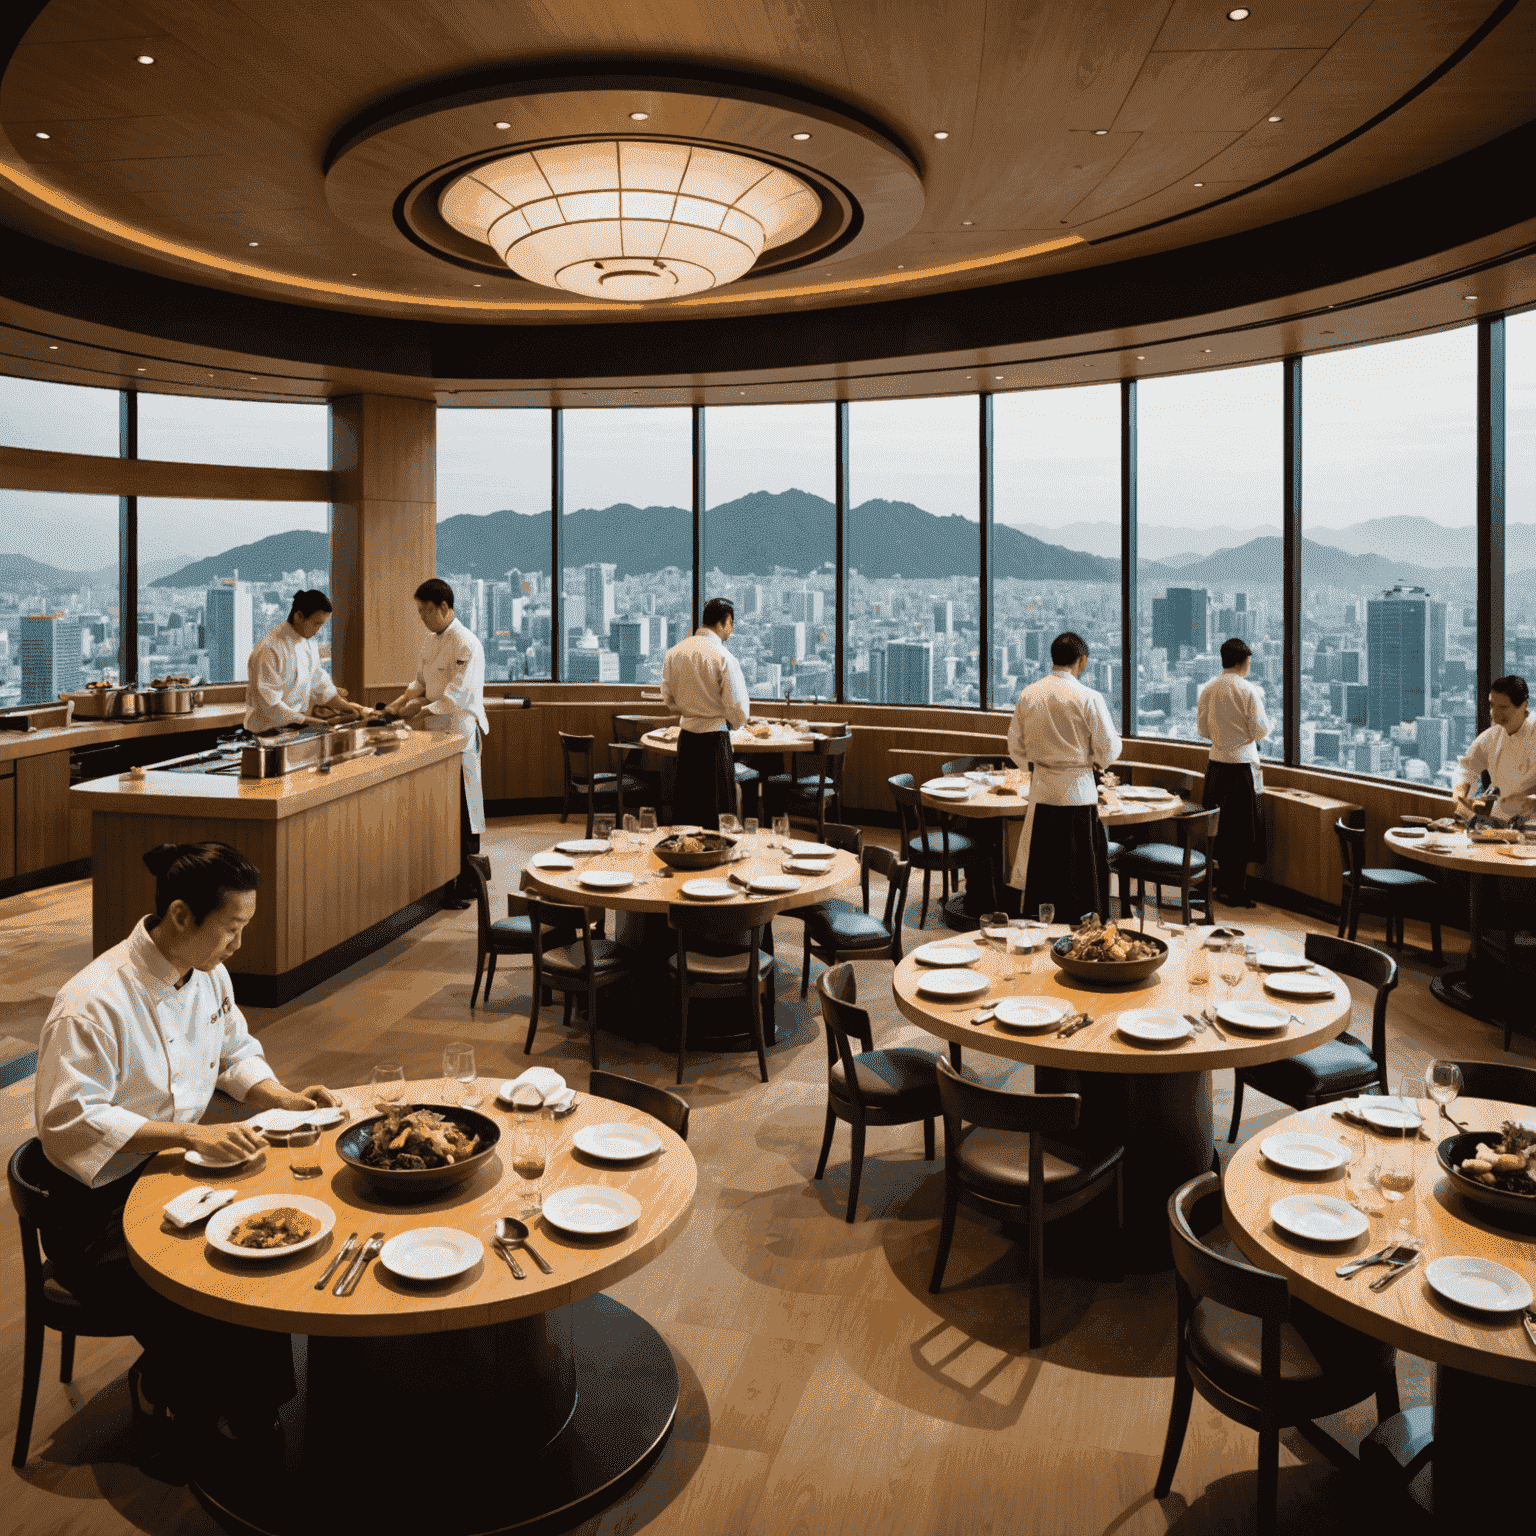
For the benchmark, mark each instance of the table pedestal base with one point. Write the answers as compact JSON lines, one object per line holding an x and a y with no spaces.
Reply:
{"x":516,"y":1427}
{"x":1458,"y":990}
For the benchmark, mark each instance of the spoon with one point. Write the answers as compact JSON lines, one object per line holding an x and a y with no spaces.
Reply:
{"x":510,"y":1230}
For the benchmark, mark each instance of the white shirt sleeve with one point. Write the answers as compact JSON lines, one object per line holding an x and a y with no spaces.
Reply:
{"x":1473,"y":764}
{"x":463,"y":690}
{"x":322,"y":690}
{"x":242,"y":1063}
{"x":268,"y":685}
{"x":1203,"y":713}
{"x":668,"y":696}
{"x":734,"y":702}
{"x":1016,"y":735}
{"x":418,"y":684}
{"x":77,"y":1077}
{"x":1258,"y":720}
{"x":1106,"y":740}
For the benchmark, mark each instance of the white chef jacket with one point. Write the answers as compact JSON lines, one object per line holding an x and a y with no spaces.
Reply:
{"x":1510,"y":762}
{"x":451,"y":674}
{"x":123,"y":1045}
{"x":1230,"y":715}
{"x":702,"y":683}
{"x":284,"y":680}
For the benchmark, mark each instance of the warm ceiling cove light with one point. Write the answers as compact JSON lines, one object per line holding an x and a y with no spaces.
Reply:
{"x":501,"y":125}
{"x":1099,"y":133}
{"x":1199,"y":183}
{"x":630,"y":220}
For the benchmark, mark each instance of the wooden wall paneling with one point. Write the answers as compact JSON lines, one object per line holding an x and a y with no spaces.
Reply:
{"x":89,"y":474}
{"x":7,"y":821}
{"x":42,"y":811}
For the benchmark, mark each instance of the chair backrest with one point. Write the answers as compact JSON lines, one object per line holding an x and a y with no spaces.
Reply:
{"x":656,"y":1102}
{"x":576,"y":747}
{"x":1194,"y":1208}
{"x":897,"y":872}
{"x":844,"y":1023}
{"x":31,"y":1202}
{"x":712,"y":925}
{"x":1350,"y":828}
{"x":841,"y":834}
{"x":1196,"y":829}
{"x":909,"y":806}
{"x":554,"y":914}
{"x":1364,"y":964}
{"x":974,"y":764}
{"x":997,"y":1109}
{"x":1498,"y":1080}
{"x":482,"y":898}
{"x":633,"y":727}
{"x":826,"y":762}
{"x":626,"y":756}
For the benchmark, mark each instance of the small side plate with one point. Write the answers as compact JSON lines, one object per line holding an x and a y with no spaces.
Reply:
{"x":1479,"y":1284}
{"x":1318,"y":1218}
{"x":431,"y":1253}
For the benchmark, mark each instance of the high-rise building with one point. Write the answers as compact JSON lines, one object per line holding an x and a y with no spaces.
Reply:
{"x":909,"y":672}
{"x":1397,"y":657}
{"x":599,"y":594}
{"x":631,"y":636}
{"x":749,"y":602}
{"x":50,"y":657}
{"x":228,"y":631}
{"x":879,"y":671}
{"x":787,"y":642}
{"x":1182,"y":617}
{"x":573,"y":620}
{"x":1036,"y":647}
{"x":1432,"y":741}
{"x":943,"y":616}
{"x":1348,"y":702}
{"x":657,"y":625}
{"x":1325,"y":746}
{"x":507,"y":609}
{"x":1436,"y":643}
{"x":482,"y":620}
{"x":589,"y":663}
{"x":805,"y":606}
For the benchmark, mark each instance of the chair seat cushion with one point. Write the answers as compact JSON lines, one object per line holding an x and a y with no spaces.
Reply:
{"x":55,"y":1295}
{"x":929,"y":848}
{"x":746,"y":775}
{"x":1115,"y":850}
{"x":1162,"y":858}
{"x":514,"y":935}
{"x":1395,"y":879}
{"x":722,"y":968}
{"x":607,"y":955}
{"x":1338,"y":1066}
{"x":997,"y":1162}
{"x":847,"y":927}
{"x":905,"y":1072}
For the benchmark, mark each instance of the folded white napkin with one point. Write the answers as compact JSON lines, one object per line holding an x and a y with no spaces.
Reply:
{"x":550,"y":1085}
{"x":194,"y":1204}
{"x":280,"y":1121}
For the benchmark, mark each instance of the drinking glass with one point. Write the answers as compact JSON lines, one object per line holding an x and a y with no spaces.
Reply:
{"x":459,"y":1066}
{"x":303,"y":1161}
{"x":1047,"y":914}
{"x":1357,"y":1174}
{"x":1136,"y":912}
{"x":1409,"y":1088}
{"x":749,"y":826}
{"x":1231,"y":962}
{"x":530,"y":1149}
{"x":1198,"y":971}
{"x":387,"y":1082}
{"x":647,"y":819}
{"x":602,"y":829}
{"x":1394,"y":1177}
{"x":1442,"y":1082}
{"x":780,"y":831}
{"x":994,"y":930}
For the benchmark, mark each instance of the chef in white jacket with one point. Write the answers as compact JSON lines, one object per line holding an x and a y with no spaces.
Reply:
{"x":285,"y":683}
{"x":448,"y":694}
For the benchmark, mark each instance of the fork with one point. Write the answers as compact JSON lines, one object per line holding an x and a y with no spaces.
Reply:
{"x":1210,"y":1018}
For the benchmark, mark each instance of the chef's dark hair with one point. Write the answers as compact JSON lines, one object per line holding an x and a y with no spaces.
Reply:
{"x":716,"y":611}
{"x":1234,"y":652}
{"x":308,"y":603}
{"x":201,"y":874}
{"x":1066,"y":648}
{"x":1514,"y":688}
{"x":436,"y":591}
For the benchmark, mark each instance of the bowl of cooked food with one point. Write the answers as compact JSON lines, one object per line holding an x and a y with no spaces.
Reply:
{"x":419,"y":1149}
{"x":694,"y":850}
{"x":1494,"y":1169}
{"x":269,"y":1226}
{"x":1109,"y":954}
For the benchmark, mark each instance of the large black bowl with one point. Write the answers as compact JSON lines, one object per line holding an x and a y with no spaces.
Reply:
{"x":1454,"y":1150}
{"x":1110,"y":972}
{"x":404,"y":1183}
{"x":717,"y":848}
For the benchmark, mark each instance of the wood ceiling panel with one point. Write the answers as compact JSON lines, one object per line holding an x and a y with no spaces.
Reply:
{"x":1212,"y":92}
{"x":1202,"y":24}
{"x":104,"y":140}
{"x":99,"y":78}
{"x":1038,"y":179}
{"x":1150,"y":168}
{"x":77,"y":20}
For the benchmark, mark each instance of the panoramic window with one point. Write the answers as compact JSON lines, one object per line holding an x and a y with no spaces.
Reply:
{"x":62,"y":418}
{"x":770,"y":541}
{"x":192,"y":429}
{"x":1389,"y":557}
{"x":626,"y":542}
{"x":914,"y":553}
{"x":1520,"y":495}
{"x":215,"y":576}
{"x":493,"y":485}
{"x":1056,"y":536}
{"x":1209,"y":498}
{"x":58,"y":594}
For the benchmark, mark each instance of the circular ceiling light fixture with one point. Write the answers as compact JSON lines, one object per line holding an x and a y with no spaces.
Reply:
{"x":1099,"y":133}
{"x":42,"y":135}
{"x":629,"y":220}
{"x":146,"y":58}
{"x":639,"y":117}
{"x":1276,"y":119}
{"x":800,"y":138}
{"x":1242,"y":13}
{"x":941,"y":135}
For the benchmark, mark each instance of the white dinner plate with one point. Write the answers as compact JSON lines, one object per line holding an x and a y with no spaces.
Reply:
{"x":976,"y":776}
{"x":198,"y":1160}
{"x":224,"y":1221}
{"x":810,"y":850}
{"x":1518,"y":850}
{"x":1144,"y":792}
{"x":431,"y":1253}
{"x":606,"y":879}
{"x":953,"y":781}
{"x":1279,"y":960}
{"x":1304,"y":1154}
{"x":1478,"y":1283}
{"x":290,"y":1119}
{"x":617,"y":1142}
{"x":1413,"y":832}
{"x":775,"y":885}
{"x":1388,"y":1113}
{"x":952,"y":984}
{"x":1030,"y":1012}
{"x":591,"y":1209}
{"x":1299,"y":984}
{"x":945,"y":954}
{"x":1318,"y":1218}
{"x":1262,"y":1016}
{"x":552,"y":861}
{"x":809,"y":866}
{"x":709,"y":890}
{"x":949,"y":794}
{"x":583,"y":845}
{"x":1154,"y":1026}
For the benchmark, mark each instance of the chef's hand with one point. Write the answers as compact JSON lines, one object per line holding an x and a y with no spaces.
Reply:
{"x":410,"y":709}
{"x":316,"y":723}
{"x":223,"y":1143}
{"x":1464,"y":807}
{"x":314,"y":1097}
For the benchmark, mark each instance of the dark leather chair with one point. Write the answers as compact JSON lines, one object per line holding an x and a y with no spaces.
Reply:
{"x":509,"y":935}
{"x":630,"y":757}
{"x":1345,"y":1066}
{"x":940,"y":849}
{"x":1391,"y":892}
{"x":976,"y":764}
{"x":1185,"y":863}
{"x":656,"y":1102}
{"x":583,"y":781}
{"x":1256,"y":1354}
{"x":814,"y":782}
{"x":1497,"y":1080}
{"x":718,"y":958}
{"x":889,"y":1087}
{"x":587,"y":967}
{"x":838,"y":930}
{"x":46,"y":1303}
{"x":1007,"y":1151}
{"x":835,"y":834}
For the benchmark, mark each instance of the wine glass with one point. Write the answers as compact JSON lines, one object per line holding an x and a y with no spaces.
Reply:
{"x":1442,"y":1082}
{"x":530,"y":1149}
{"x":1231,"y":963}
{"x":459,"y":1066}
{"x":749,"y":827}
{"x":387,"y":1084}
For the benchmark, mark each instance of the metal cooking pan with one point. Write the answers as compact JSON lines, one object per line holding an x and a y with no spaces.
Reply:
{"x":172,"y":701}
{"x":106,"y":704}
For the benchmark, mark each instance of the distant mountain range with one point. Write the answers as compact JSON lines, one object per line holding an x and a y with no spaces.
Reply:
{"x":265,"y":560}
{"x":1259,"y":563}
{"x":22,"y":571}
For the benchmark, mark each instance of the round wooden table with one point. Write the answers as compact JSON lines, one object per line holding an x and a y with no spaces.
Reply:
{"x":1485,"y":1379}
{"x":473,"y":1404}
{"x":778,"y":739}
{"x":1468,"y":989}
{"x":1154,"y":1100}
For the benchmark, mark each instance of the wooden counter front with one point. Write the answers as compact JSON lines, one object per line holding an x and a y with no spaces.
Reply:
{"x":348,"y":858}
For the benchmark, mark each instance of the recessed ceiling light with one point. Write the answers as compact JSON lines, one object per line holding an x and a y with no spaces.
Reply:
{"x":1240,"y":14}
{"x":941,"y":135}
{"x":253,"y":242}
{"x":1469,"y":297}
{"x":800,"y":138}
{"x":997,"y":376}
{"x":53,"y":346}
{"x":967,"y":223}
{"x":477,"y":285}
{"x":503,"y":125}
{"x":354,"y":274}
{"x":1099,"y":133}
{"x":42,"y":135}
{"x":1277,"y":119}
{"x":1199,"y":183}
{"x":141,"y":370}
{"x":639,"y":117}
{"x":1205,"y":349}
{"x":1141,"y":357}
{"x":146,"y":58}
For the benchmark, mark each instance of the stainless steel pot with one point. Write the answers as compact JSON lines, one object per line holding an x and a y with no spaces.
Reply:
{"x":172,"y":701}
{"x":106,"y":704}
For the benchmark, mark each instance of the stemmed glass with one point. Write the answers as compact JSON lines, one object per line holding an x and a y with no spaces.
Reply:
{"x":1232,"y":962}
{"x":459,"y":1066}
{"x":387,"y":1084}
{"x":1442,"y":1082}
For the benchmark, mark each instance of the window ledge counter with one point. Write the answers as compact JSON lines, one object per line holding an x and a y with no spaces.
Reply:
{"x":95,"y":733}
{"x":349,"y":859}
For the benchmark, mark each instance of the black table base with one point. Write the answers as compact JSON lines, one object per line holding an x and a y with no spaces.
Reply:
{"x":527,"y":1426}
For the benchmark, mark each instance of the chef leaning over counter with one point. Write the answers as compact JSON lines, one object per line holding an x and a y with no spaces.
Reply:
{"x":285,"y":684}
{"x":448,"y":694}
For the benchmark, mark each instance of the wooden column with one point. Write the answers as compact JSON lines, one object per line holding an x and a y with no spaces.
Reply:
{"x":383,"y":535}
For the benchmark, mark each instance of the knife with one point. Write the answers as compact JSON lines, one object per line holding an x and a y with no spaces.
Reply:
{"x":348,"y":1282}
{"x":1352,"y":1266}
{"x":1209,"y":1016}
{"x":1072,"y":1029}
{"x":335,"y":1264}
{"x":1394,"y":1273}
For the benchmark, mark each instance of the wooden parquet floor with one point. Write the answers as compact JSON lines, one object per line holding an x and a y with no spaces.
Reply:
{"x":824,"y":1390}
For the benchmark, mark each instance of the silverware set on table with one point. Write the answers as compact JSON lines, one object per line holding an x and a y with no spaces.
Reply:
{"x":1398,"y":1257}
{"x":354,"y":1272}
{"x":510,"y":1234}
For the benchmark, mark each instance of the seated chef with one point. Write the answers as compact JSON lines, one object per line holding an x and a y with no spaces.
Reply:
{"x":130,"y":1056}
